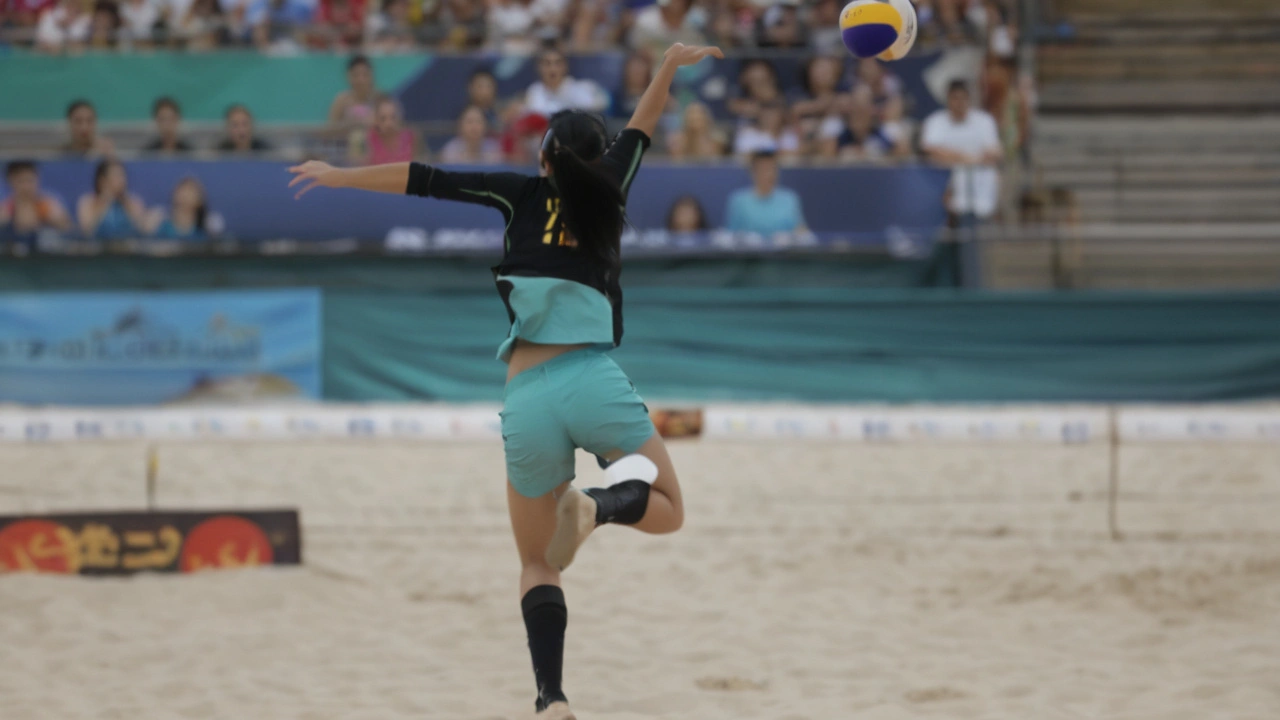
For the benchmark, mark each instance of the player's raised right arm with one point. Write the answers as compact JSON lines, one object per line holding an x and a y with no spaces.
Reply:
{"x":654,"y":101}
{"x":390,"y":178}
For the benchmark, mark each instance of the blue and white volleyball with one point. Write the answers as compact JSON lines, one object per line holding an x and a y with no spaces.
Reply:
{"x":884,"y":29}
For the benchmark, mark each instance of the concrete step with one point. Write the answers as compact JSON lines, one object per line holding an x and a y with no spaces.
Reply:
{"x":1168,"y":9}
{"x":1116,"y":177}
{"x":1175,"y":96}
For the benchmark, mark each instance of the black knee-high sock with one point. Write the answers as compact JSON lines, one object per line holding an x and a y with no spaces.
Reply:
{"x":545,"y":618}
{"x":621,"y":504}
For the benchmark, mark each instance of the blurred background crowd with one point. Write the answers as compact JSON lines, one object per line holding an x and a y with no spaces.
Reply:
{"x":834,"y":109}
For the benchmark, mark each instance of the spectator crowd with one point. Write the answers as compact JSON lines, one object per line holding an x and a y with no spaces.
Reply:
{"x":509,"y":26}
{"x":837,"y":110}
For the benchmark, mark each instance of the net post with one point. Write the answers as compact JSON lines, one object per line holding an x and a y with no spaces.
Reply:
{"x":1113,"y":480}
{"x":153,"y":468}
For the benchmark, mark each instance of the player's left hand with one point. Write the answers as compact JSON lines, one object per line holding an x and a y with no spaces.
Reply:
{"x":315,"y":174}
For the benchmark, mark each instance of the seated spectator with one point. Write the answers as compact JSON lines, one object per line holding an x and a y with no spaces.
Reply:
{"x":240,"y":137}
{"x":110,"y":212}
{"x":353,"y":108}
{"x":765,"y":208}
{"x":64,"y":27}
{"x":388,"y":141}
{"x":663,"y":24}
{"x":82,"y":122}
{"x":825,"y":37}
{"x":201,"y":25}
{"x":636,"y":74}
{"x":779,"y":26}
{"x":168,"y":119}
{"x":482,"y":93}
{"x":858,"y":136}
{"x":698,"y":138}
{"x":882,"y":85}
{"x":473,"y":145}
{"x":279,"y":23}
{"x":340,"y":23}
{"x":897,"y":127}
{"x":466,"y":22}
{"x":389,"y":30}
{"x":24,"y":15}
{"x":757,"y":86}
{"x":597,"y":24}
{"x":686,"y":216}
{"x":27,"y":211}
{"x":188,"y":217}
{"x":822,"y":96}
{"x":139,"y":19}
{"x":104,"y":25}
{"x":965,"y":138}
{"x":556,"y":90}
{"x":769,"y":133}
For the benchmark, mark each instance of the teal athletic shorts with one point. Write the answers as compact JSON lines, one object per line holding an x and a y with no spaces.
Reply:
{"x":581,"y":399}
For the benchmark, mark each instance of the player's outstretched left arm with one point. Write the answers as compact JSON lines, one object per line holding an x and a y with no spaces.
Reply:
{"x":654,"y":101}
{"x":390,"y":178}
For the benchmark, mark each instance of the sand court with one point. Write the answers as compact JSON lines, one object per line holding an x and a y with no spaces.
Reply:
{"x":812,"y":580}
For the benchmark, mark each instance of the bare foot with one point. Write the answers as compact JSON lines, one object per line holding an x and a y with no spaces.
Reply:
{"x":575,"y":519}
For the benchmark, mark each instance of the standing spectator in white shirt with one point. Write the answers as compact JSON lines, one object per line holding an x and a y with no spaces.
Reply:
{"x":966,"y":139}
{"x":558,"y":91}
{"x":65,"y":26}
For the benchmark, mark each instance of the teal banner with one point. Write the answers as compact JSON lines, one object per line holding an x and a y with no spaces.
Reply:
{"x":837,"y":345}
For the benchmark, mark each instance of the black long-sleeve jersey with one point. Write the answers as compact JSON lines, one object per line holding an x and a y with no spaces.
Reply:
{"x":536,"y":243}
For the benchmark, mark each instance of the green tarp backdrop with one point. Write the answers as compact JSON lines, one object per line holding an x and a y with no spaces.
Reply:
{"x":838,"y":345}
{"x":123,"y":86}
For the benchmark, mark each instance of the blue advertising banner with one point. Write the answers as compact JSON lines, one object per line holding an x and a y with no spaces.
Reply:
{"x":147,"y":348}
{"x":257,"y":204}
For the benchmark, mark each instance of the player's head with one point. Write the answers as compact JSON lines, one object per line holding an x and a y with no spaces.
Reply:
{"x":590,"y":200}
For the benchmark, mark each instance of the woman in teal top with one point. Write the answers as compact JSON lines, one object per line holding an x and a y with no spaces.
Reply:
{"x":110,"y":212}
{"x":188,"y":216}
{"x":559,"y":281}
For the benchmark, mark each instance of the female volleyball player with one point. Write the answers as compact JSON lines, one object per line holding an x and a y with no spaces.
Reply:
{"x":559,"y":280}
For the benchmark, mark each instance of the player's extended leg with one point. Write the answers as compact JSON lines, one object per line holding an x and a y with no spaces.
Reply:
{"x":533,"y":520}
{"x":642,"y":492}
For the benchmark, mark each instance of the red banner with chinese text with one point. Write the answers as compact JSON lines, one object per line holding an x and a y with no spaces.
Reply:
{"x":126,"y":543}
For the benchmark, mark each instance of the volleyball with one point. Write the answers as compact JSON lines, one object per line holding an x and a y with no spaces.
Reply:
{"x":884,"y":29}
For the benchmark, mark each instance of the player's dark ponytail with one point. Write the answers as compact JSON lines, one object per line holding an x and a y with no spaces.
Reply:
{"x":591,"y":202}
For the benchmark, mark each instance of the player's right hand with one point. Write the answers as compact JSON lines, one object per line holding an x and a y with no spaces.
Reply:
{"x":682,"y":54}
{"x":314,"y":173}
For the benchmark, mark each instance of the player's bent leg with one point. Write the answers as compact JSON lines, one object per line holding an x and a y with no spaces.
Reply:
{"x":641,"y":491}
{"x":664,"y":512}
{"x":533,"y":521}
